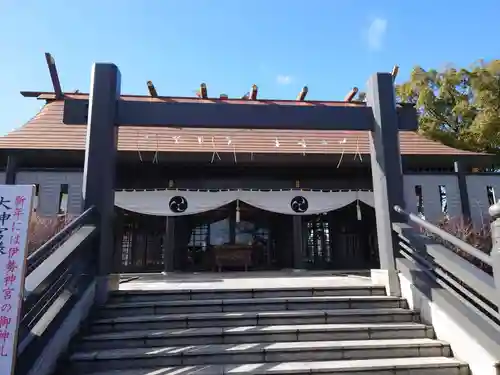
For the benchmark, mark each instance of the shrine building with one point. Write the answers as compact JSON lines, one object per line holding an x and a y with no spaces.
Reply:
{"x":216,"y":199}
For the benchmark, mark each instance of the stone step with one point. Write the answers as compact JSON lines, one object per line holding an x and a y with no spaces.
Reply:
{"x":112,"y":310}
{"x":253,"y":334}
{"x":386,"y":366}
{"x":205,"y":294}
{"x":253,"y":318}
{"x":123,"y":359}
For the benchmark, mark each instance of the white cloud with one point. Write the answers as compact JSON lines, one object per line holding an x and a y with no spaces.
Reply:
{"x":376,"y":33}
{"x":283,"y":79}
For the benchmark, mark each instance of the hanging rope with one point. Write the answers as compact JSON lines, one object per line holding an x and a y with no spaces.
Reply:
{"x":229,"y":143}
{"x":155,"y":157}
{"x":357,"y":153}
{"x":215,"y":153}
{"x":342,"y":142}
{"x":324,"y":143}
{"x":237,"y":210}
{"x":358,"y":207}
{"x":304,"y":146}
{"x":138,"y":149}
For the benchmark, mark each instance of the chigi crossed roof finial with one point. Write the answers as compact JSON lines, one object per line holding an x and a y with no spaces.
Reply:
{"x":202,"y":92}
{"x":36,"y":133}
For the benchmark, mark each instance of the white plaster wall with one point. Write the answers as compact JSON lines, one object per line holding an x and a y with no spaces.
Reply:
{"x":430,"y":192}
{"x":50,"y":188}
{"x":478,"y":196}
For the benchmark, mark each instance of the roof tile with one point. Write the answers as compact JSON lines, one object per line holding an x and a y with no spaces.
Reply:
{"x":46,"y":131}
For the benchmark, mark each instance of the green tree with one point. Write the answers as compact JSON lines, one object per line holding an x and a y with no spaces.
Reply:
{"x":458,"y":107}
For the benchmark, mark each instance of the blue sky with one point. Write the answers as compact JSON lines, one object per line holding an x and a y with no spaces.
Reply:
{"x":329,"y":45}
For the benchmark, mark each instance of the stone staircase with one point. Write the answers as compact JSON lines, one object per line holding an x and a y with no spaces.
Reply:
{"x":329,"y":330}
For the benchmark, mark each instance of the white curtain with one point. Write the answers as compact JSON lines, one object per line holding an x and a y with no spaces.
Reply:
{"x":189,"y":202}
{"x":297,"y":202}
{"x":173,"y":202}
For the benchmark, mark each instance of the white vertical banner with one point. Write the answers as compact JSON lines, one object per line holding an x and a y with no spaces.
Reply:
{"x":15,"y":213}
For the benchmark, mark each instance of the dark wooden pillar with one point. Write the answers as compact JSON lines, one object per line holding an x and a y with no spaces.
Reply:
{"x":461,"y":172}
{"x":232,"y":223}
{"x":282,"y":227}
{"x":387,"y":172}
{"x":11,"y":170}
{"x":298,"y":242}
{"x":99,"y":170}
{"x":169,"y":245}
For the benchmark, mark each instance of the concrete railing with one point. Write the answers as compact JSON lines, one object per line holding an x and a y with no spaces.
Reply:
{"x":59,"y":292}
{"x":460,"y":300}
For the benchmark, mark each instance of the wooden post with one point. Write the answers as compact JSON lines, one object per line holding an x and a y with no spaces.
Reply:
{"x":387,"y":172}
{"x":98,"y":188}
{"x":298,"y":241}
{"x":460,"y":171}
{"x":11,"y":170}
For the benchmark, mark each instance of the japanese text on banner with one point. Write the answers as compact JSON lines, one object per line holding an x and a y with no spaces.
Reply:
{"x":14,"y":214}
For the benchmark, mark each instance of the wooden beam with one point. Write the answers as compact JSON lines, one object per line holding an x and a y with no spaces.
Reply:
{"x":394,"y":73}
{"x":54,"y":76}
{"x":302,"y":94}
{"x":223,"y":114}
{"x":239,"y":115}
{"x":203,"y":91}
{"x":152,"y":90}
{"x":35,"y":94}
{"x":253,"y":92}
{"x":350,"y":96}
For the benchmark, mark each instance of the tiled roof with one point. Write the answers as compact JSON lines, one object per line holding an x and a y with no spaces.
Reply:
{"x":46,"y":131}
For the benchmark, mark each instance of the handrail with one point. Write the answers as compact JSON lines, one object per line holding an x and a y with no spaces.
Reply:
{"x":471,"y":250}
{"x":50,"y":265}
{"x":62,"y":271}
{"x":44,"y":251}
{"x":475,"y":285}
{"x":450,"y":269}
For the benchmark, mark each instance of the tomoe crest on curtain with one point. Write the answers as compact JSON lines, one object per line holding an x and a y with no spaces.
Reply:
{"x":178,"y":204}
{"x":189,"y":202}
{"x":299,"y":204}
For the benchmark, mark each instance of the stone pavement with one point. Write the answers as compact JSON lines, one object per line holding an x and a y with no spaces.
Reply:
{"x":242,"y":280}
